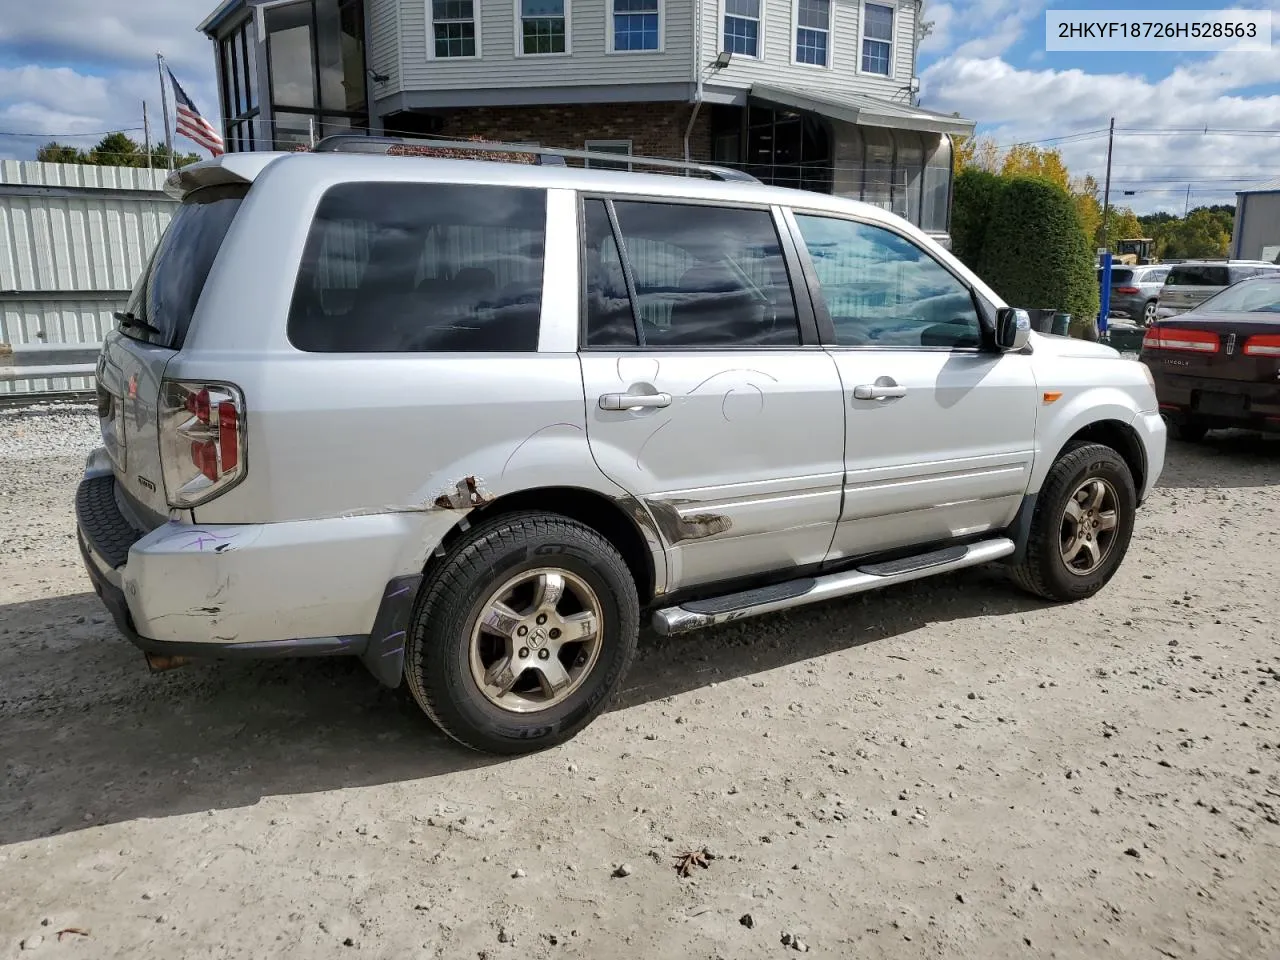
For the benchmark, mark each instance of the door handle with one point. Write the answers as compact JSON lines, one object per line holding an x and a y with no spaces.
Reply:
{"x":633,"y":401}
{"x":878,"y":391}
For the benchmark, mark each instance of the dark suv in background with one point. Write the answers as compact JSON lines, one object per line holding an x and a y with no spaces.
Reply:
{"x":1134,"y":291}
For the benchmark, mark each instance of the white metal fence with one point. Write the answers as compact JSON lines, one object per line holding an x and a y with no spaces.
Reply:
{"x":73,"y":238}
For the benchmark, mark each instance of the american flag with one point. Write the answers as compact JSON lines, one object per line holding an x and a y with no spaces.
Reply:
{"x":190,"y":124}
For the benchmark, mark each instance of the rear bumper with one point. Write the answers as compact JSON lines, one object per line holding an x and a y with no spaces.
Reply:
{"x":266,"y":590}
{"x":1181,"y":398}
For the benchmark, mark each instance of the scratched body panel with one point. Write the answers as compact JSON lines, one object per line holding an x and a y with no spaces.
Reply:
{"x":743,"y":470}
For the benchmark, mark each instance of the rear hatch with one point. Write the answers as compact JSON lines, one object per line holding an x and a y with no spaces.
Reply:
{"x":1222,"y":346}
{"x":150,"y":332}
{"x":1190,"y":284}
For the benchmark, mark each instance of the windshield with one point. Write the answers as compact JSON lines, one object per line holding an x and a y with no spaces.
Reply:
{"x":1198,"y":275}
{"x":1252,"y":296}
{"x":165,"y":296}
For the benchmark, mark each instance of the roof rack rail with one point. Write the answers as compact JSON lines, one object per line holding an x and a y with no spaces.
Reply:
{"x":545,"y":156}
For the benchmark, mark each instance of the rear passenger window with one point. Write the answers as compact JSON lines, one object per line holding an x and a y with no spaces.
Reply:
{"x":420,"y":268}
{"x":884,"y":291}
{"x":704,"y":276}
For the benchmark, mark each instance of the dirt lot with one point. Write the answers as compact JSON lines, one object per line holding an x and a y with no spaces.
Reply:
{"x":946,"y":770}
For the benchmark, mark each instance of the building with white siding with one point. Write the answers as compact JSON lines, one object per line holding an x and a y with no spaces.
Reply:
{"x":818,"y":94}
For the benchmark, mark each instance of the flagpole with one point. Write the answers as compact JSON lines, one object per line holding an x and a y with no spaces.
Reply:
{"x":164,"y":103}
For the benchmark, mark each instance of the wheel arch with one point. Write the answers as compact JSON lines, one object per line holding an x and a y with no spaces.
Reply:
{"x":621,"y":520}
{"x":1110,"y":432}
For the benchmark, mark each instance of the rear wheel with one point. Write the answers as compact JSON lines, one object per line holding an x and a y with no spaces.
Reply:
{"x":1081,"y":527}
{"x":1149,"y":313}
{"x":524,"y":633}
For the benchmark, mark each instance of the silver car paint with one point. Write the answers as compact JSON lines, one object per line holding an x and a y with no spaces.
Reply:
{"x":361,"y":464}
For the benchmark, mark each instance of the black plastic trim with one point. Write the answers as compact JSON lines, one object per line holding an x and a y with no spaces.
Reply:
{"x":750,"y":598}
{"x":383,"y":655}
{"x":920,"y":561}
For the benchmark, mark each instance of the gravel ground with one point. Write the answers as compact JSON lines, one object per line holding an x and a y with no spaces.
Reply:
{"x":946,"y":770}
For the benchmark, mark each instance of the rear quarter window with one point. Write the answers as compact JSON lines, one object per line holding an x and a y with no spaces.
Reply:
{"x":421,"y":268}
{"x":1198,"y":276}
{"x":165,"y":295}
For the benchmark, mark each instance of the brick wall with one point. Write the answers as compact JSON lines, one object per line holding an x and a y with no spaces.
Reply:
{"x":654,"y":129}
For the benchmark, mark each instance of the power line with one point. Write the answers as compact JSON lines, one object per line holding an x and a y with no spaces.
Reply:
{"x":54,"y":136}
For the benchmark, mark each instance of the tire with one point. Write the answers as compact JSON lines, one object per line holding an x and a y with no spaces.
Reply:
{"x":1148,"y":313}
{"x":1044,"y":570}
{"x":1187,"y":431}
{"x":517,"y":559}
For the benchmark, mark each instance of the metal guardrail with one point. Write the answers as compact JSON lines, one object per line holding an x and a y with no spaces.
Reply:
{"x":47,"y":361}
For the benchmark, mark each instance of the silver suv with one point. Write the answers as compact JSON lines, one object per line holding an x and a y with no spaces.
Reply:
{"x":471,"y":421}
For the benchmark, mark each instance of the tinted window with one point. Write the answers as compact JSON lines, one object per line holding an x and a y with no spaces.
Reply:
{"x":166,"y":294}
{"x":610,"y":321}
{"x":883,"y":290}
{"x":414,"y":267}
{"x":704,"y":276}
{"x":1119,"y":278}
{"x":1256,"y":296}
{"x":1198,"y":275}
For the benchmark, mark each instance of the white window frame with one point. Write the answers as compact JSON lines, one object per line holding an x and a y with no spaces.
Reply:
{"x":662,"y":32}
{"x":893,"y":39}
{"x":431,"y":31}
{"x":519,"y":32}
{"x":760,"y":31}
{"x":831,"y":32}
{"x":598,"y":144}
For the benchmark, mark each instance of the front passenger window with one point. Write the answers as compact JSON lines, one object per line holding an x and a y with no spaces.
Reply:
{"x":884,"y":291}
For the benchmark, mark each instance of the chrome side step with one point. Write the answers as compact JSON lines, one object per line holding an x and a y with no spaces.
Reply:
{"x":697,"y":614}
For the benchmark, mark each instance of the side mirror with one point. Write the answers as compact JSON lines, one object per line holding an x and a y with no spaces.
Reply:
{"x":1013,"y":329}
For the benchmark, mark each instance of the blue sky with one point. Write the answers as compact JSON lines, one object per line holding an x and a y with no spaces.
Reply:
{"x":987,"y":60}
{"x":74,"y":68}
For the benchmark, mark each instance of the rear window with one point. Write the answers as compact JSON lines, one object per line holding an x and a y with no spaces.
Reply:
{"x":1120,"y":278}
{"x":165,"y":296}
{"x":421,"y":268}
{"x":1198,"y":275}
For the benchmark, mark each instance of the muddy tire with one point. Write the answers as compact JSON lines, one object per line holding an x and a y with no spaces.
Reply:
{"x":1081,"y":527}
{"x":523,"y":634}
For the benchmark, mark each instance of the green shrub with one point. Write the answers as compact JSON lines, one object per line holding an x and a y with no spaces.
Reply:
{"x":1036,"y":254}
{"x":974,"y":195}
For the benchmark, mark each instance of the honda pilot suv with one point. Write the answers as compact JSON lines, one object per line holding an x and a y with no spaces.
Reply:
{"x":472,"y":421}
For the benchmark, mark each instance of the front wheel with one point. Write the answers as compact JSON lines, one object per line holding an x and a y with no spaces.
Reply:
{"x":523,"y":634}
{"x":1081,"y":527}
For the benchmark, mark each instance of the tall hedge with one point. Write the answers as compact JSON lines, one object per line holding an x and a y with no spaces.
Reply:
{"x":1036,"y":254}
{"x":974,"y":196}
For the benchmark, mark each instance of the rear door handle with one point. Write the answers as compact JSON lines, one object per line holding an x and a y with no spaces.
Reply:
{"x":877,"y":391}
{"x":633,"y":401}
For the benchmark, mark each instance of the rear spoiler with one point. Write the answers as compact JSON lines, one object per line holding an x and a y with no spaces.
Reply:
{"x":227,"y":169}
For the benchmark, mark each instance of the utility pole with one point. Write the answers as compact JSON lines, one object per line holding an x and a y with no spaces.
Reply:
{"x":1106,"y":193}
{"x":1186,"y":208}
{"x":146,"y":132}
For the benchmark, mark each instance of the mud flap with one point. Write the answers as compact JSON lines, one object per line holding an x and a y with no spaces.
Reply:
{"x":384,"y":653}
{"x":1020,"y":530}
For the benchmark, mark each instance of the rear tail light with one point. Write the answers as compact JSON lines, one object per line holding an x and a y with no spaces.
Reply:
{"x":201,"y":440}
{"x":1190,"y":341}
{"x":1263,"y":345}
{"x":1127,"y":291}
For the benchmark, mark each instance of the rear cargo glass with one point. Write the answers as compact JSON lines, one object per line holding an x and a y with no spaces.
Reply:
{"x":1198,"y":276}
{"x":421,"y":268}
{"x":1121,"y":278}
{"x":166,"y":294}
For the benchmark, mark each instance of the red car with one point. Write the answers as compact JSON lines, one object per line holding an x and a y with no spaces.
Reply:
{"x":1218,"y":365}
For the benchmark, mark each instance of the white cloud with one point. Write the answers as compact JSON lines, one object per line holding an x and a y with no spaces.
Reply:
{"x":1017,"y":105}
{"x":939,"y":15}
{"x":88,"y":65}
